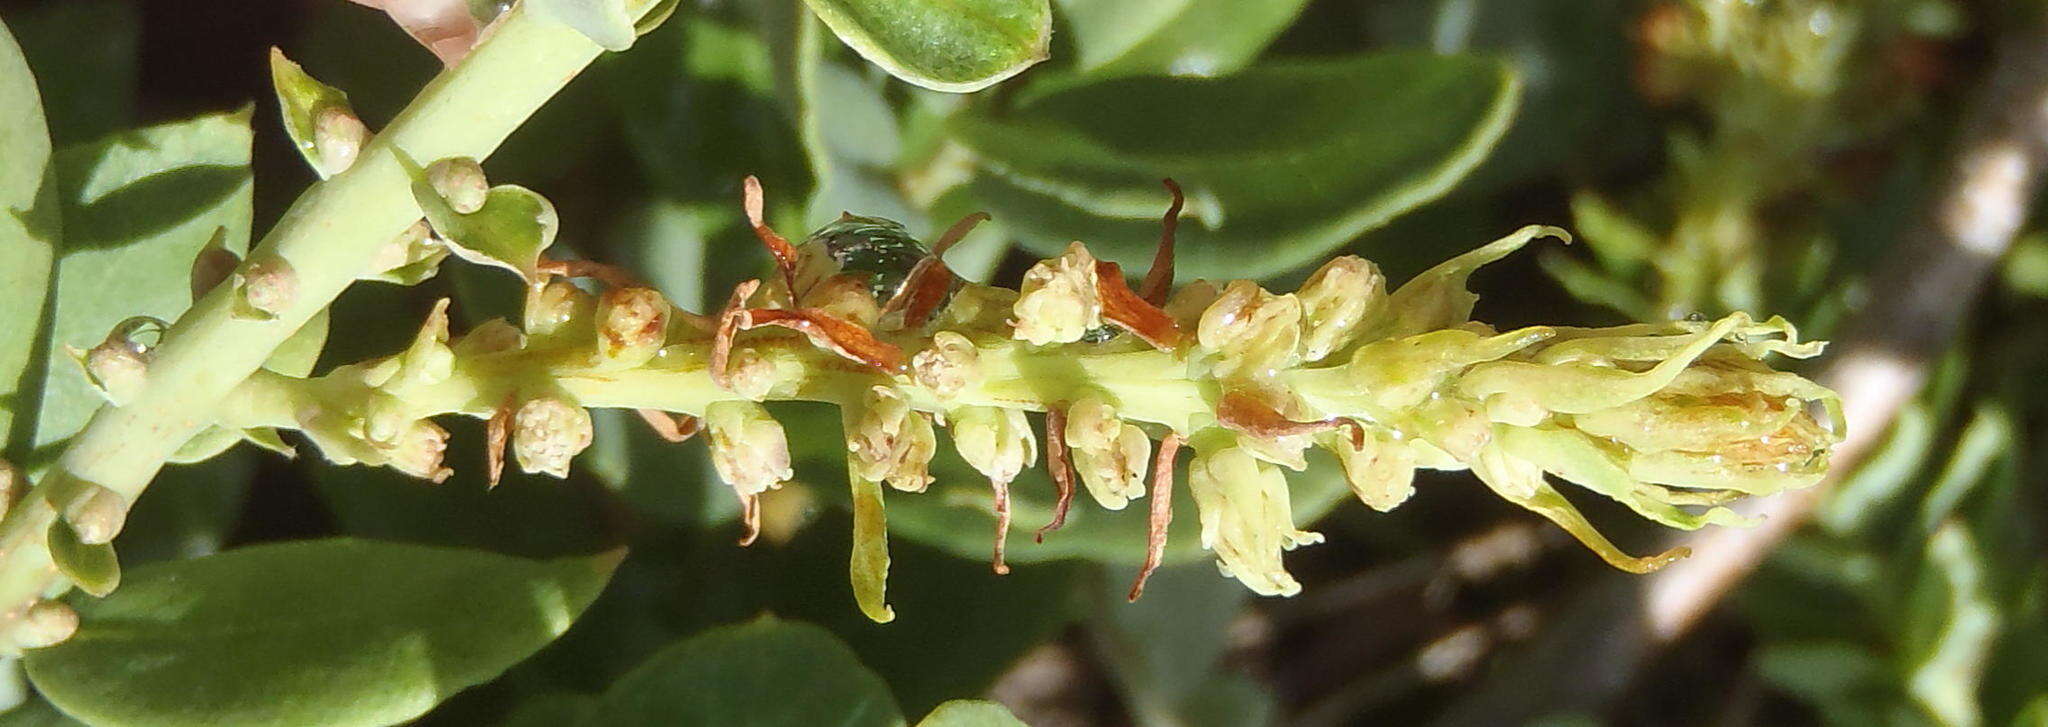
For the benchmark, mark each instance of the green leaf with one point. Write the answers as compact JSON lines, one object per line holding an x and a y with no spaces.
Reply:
{"x":957,"y":515}
{"x":970,"y":713}
{"x":29,"y":225}
{"x":944,"y":45}
{"x":323,"y":632}
{"x":1282,"y":162}
{"x":605,"y":22}
{"x":93,"y":567}
{"x":1163,"y":649}
{"x":1173,"y":37}
{"x":1952,"y":626}
{"x":138,"y":206}
{"x":768,"y":672}
{"x":83,"y":52}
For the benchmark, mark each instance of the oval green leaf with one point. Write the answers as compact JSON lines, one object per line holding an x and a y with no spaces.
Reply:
{"x":28,"y":230}
{"x":768,"y":672}
{"x":970,"y":713}
{"x":1282,"y":163}
{"x":944,"y":45}
{"x":1173,"y":37}
{"x":322,"y":632}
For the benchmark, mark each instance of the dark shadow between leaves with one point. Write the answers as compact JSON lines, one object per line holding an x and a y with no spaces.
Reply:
{"x":150,"y":205}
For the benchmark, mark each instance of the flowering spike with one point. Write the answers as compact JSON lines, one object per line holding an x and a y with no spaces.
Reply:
{"x":1673,"y":420}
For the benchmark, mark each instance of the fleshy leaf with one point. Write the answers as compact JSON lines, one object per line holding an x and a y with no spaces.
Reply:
{"x":138,"y":206}
{"x":1319,"y":151}
{"x":1173,"y":37}
{"x":29,"y":226}
{"x":750,"y":674}
{"x":944,"y":45}
{"x":93,"y":567}
{"x":970,"y":713}
{"x":322,"y":632}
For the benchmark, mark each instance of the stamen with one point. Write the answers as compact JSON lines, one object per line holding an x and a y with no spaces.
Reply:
{"x":497,"y":432}
{"x":675,"y":428}
{"x":1126,"y":310}
{"x":778,"y":246}
{"x":729,"y":325}
{"x":1162,"y":511}
{"x":1061,"y":469}
{"x":1159,"y":280}
{"x":750,"y":516}
{"x":1002,"y":490}
{"x":1245,"y":413}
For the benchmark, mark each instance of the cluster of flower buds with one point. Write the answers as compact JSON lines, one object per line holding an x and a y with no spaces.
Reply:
{"x":1672,"y":420}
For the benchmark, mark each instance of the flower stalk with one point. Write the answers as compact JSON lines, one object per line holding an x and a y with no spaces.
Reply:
{"x":1672,"y":420}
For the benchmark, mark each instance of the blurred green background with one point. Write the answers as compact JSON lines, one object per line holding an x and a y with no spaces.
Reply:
{"x":1712,"y":155}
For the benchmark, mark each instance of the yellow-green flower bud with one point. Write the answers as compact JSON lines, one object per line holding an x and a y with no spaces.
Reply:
{"x":548,"y":432}
{"x":748,"y":447}
{"x":338,"y":138}
{"x":949,"y":365}
{"x":96,"y":514}
{"x":632,"y":324}
{"x":996,"y":442}
{"x":426,"y":362}
{"x":460,"y":181}
{"x":1252,"y":332}
{"x":554,"y":308}
{"x":116,"y":369}
{"x":1335,"y":301}
{"x":1243,"y":505}
{"x":47,"y":623}
{"x":1057,"y":302}
{"x":418,"y":451}
{"x":888,"y":441}
{"x":1381,"y":473}
{"x":1188,"y":302}
{"x":1110,"y":454}
{"x":268,"y":286}
{"x":413,"y":256}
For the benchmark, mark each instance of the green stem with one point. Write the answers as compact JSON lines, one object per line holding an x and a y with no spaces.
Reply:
{"x":1145,"y":385}
{"x":328,"y":238}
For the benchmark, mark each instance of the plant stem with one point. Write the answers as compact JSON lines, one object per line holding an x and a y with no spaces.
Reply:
{"x":328,"y":237}
{"x":1149,"y":386}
